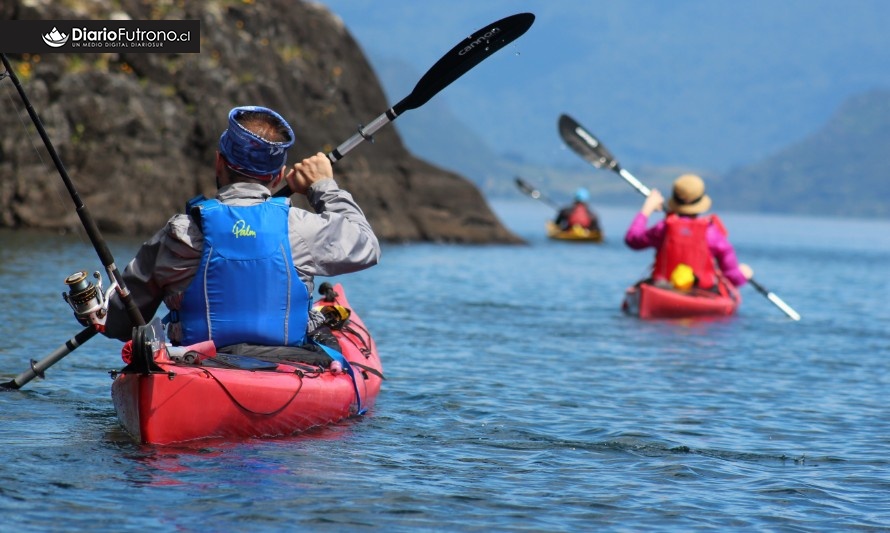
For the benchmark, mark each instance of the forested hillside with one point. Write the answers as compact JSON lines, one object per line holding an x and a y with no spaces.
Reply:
{"x":842,"y":169}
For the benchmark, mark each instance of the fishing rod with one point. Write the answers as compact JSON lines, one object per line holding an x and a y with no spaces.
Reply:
{"x":592,"y":150}
{"x":455,"y":63}
{"x":38,"y":367}
{"x":83,"y":296}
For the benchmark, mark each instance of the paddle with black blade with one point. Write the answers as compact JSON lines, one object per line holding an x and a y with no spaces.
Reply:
{"x":534,"y":193}
{"x":95,"y":236}
{"x":592,"y":150}
{"x":454,"y":64}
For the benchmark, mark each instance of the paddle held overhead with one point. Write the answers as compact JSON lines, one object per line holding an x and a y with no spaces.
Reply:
{"x":455,"y":63}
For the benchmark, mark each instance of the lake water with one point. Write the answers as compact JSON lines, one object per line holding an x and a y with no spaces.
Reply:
{"x":518,"y":398}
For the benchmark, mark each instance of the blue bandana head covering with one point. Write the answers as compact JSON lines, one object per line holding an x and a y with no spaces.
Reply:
{"x":249,"y":153}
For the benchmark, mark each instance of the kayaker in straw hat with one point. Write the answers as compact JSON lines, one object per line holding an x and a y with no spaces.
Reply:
{"x":687,"y":241}
{"x":239,"y":268}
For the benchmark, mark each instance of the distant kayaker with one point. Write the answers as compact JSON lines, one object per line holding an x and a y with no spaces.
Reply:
{"x":240,"y":267}
{"x":687,"y":241}
{"x":578,"y":214}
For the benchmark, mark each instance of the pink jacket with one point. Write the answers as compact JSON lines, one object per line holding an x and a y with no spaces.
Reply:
{"x":638,"y":238}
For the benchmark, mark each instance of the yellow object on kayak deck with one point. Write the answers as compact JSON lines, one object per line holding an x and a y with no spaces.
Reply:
{"x":335,"y":315}
{"x":683,"y":278}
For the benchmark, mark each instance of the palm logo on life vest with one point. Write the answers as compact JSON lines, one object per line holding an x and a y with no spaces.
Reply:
{"x":242,"y":229}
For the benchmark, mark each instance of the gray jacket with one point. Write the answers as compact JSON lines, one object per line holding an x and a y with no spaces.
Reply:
{"x":336,"y":239}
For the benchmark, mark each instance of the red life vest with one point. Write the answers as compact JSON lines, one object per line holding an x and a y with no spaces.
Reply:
{"x":685,"y":241}
{"x":580,"y":216}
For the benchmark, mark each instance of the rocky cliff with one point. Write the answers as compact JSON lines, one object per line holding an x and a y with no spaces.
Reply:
{"x":138,"y":132}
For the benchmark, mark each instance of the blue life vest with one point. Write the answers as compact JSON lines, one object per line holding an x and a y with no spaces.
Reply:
{"x":246,"y":289}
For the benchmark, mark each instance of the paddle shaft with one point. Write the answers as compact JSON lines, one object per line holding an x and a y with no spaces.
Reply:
{"x":38,"y":367}
{"x":628,"y":177}
{"x":461,"y":58}
{"x":364,"y":133}
{"x":592,"y":150}
{"x":778,"y":302}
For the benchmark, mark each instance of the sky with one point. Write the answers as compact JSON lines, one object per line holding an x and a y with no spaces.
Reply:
{"x":708,"y":83}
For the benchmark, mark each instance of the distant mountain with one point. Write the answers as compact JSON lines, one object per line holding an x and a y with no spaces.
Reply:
{"x":843,"y":169}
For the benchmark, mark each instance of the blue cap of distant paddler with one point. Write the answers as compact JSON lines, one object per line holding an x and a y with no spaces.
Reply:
{"x":252,"y":154}
{"x":582,"y":195}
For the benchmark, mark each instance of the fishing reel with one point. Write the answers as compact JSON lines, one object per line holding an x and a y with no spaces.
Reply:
{"x":335,"y":316}
{"x":89,"y":303}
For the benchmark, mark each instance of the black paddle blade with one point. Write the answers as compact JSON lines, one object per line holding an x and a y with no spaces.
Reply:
{"x":529,"y":190}
{"x":466,"y":55}
{"x":532,"y":192}
{"x":585,"y":144}
{"x":526,"y":188}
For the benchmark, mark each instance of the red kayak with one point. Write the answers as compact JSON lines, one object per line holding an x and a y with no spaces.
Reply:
{"x":174,"y":399}
{"x":646,"y":300}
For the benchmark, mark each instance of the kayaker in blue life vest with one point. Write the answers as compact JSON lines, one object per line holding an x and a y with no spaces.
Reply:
{"x":578,"y":214}
{"x":239,"y":268}
{"x":687,"y":241}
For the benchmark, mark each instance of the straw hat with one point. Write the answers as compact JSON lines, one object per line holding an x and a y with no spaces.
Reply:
{"x":689,"y":196}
